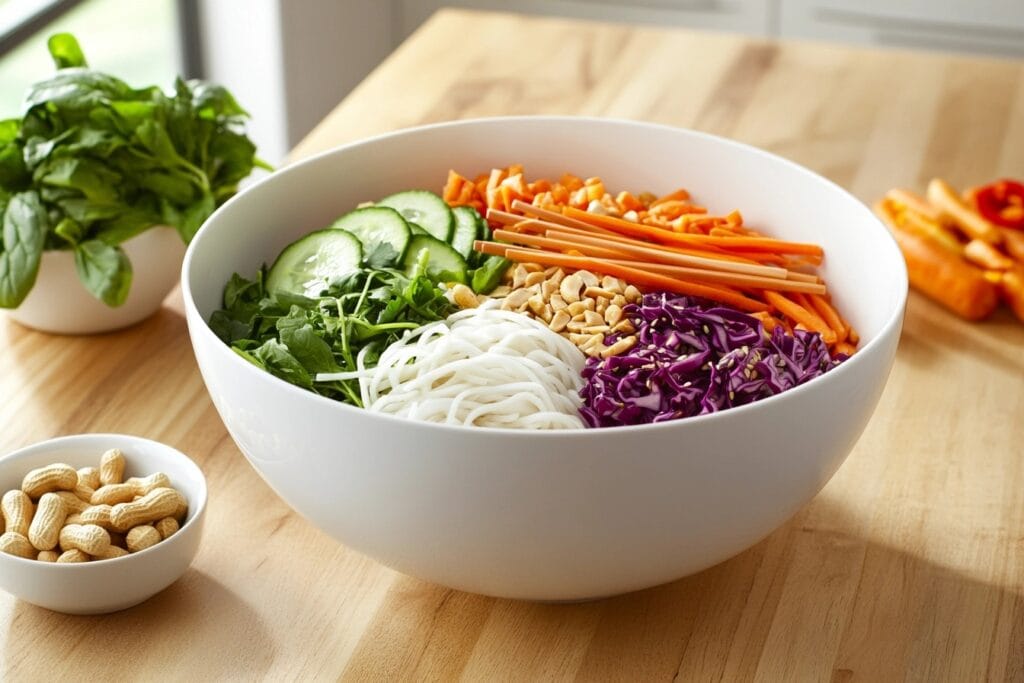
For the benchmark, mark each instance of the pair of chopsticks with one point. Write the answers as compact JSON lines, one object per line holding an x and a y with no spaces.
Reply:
{"x":582,"y":240}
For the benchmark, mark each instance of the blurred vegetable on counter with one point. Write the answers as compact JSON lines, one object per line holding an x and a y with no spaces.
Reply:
{"x":964,"y":251}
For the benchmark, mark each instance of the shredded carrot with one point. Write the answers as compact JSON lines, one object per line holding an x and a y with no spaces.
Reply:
{"x":824,"y":309}
{"x":801,"y":315}
{"x":665,"y":239}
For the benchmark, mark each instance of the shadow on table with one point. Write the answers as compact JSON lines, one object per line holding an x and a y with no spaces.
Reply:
{"x":811,"y":602}
{"x":930,"y":332}
{"x":196,"y":628}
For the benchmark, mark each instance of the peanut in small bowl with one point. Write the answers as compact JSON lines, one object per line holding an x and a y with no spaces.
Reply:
{"x":116,"y":579}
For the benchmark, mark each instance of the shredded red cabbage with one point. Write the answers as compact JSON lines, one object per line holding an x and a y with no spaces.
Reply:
{"x":694,"y":357}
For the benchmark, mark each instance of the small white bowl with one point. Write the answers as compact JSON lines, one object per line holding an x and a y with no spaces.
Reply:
{"x":60,"y":304}
{"x":109,"y":585}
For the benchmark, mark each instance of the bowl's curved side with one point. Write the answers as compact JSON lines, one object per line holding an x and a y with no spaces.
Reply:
{"x":566,"y":517}
{"x":554,"y":516}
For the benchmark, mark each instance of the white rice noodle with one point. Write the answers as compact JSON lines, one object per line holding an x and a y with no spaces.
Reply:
{"x":482,"y":367}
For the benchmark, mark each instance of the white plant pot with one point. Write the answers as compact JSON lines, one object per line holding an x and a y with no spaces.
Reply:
{"x":60,"y":304}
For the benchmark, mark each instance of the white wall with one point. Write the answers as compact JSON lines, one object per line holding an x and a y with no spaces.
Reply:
{"x":290,"y":62}
{"x":242,"y":50}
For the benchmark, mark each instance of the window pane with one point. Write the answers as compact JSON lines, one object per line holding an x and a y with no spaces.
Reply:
{"x":135,"y":41}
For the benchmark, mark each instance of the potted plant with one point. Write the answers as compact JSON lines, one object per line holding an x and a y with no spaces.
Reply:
{"x":101,"y":187}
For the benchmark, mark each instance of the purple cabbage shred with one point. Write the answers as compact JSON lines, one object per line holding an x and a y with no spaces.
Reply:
{"x":693,"y":357}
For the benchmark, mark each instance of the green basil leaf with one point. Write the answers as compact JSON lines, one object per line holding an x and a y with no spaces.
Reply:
{"x":25,"y":224}
{"x":104,"y":270}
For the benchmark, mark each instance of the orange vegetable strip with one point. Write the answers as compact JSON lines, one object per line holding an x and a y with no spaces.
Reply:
{"x":634,"y":276}
{"x":952,"y":205}
{"x":652,"y":253}
{"x":744,"y":243}
{"x":844,"y":347}
{"x":913,"y":202}
{"x":829,"y":314}
{"x":801,"y":315}
{"x":708,"y":252}
{"x":557,"y":245}
{"x":451,"y":188}
{"x":1013,"y":242}
{"x":671,"y":196}
{"x":550,"y":216}
{"x":982,"y":253}
{"x":507,"y":218}
{"x":497,"y":175}
{"x":723,"y":277}
{"x":491,"y":248}
{"x":805,"y":301}
{"x":466,"y":193}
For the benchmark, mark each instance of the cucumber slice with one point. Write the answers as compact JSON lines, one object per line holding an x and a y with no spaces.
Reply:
{"x":417,"y":230}
{"x":444,"y":264}
{"x":465,"y":230}
{"x":382,"y":231}
{"x":308,"y":265}
{"x":425,"y":209}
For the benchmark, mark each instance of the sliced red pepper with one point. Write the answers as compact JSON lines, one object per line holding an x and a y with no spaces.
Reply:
{"x":1002,"y":203}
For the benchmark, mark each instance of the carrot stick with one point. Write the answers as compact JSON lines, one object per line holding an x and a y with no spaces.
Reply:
{"x":952,"y":206}
{"x":652,"y":253}
{"x":913,"y":202}
{"x":704,"y":252}
{"x":829,"y":314}
{"x":745,"y":243}
{"x":557,"y":245}
{"x":635,"y":276}
{"x":801,"y":315}
{"x":805,"y":301}
{"x":550,"y":216}
{"x":725,"y":278}
{"x":844,"y":347}
{"x":671,"y":196}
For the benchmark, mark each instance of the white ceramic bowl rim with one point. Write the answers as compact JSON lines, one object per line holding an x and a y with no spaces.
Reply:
{"x":849,"y":365}
{"x":50,"y":444}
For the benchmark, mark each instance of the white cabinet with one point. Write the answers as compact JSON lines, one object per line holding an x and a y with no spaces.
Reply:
{"x":983,"y":26}
{"x":742,"y":16}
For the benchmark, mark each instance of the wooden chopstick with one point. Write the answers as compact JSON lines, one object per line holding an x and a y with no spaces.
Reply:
{"x":652,"y":253}
{"x":557,"y":245}
{"x":550,"y":216}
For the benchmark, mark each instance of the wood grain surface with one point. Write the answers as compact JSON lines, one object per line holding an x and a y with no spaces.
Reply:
{"x":909,"y":565}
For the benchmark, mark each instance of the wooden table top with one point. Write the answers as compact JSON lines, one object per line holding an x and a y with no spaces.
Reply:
{"x":909,"y":563}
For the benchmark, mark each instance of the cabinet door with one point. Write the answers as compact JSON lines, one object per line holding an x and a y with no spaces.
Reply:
{"x":741,"y":16}
{"x":984,"y":26}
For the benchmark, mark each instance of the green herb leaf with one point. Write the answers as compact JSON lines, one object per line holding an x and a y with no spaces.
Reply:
{"x":484,"y":279}
{"x":25,"y":225}
{"x":360,"y":314}
{"x":104,"y":270}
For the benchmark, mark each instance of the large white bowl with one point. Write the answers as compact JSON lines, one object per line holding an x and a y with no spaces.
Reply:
{"x":558,"y":515}
{"x":108,"y":585}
